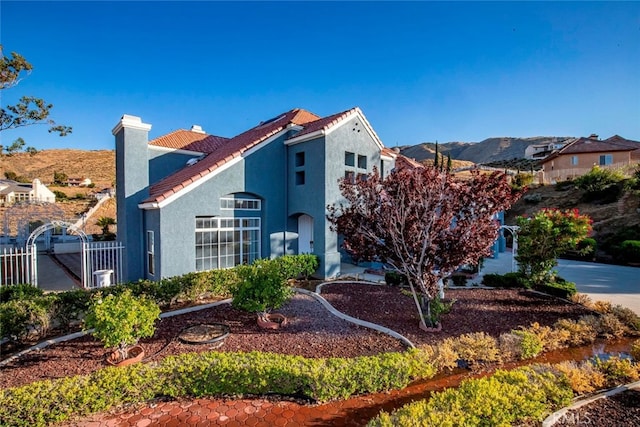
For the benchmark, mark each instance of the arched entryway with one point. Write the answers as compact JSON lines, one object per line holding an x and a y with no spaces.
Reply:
{"x":513,"y":229}
{"x":91,"y":262}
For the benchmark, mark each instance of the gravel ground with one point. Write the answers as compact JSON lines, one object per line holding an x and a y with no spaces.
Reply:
{"x":622,"y":409}
{"x":312,"y":331}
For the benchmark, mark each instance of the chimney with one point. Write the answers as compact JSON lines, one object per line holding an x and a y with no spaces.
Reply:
{"x":593,"y":136}
{"x":132,"y":187}
{"x":197,"y":129}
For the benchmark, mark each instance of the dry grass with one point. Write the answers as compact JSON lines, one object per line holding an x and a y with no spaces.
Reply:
{"x":99,"y":165}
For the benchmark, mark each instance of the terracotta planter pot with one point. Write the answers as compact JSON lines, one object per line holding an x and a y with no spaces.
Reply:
{"x":134,"y":355}
{"x":272,"y":321}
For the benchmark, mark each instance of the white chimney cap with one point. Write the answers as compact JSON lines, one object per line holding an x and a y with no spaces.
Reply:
{"x":197,"y":129}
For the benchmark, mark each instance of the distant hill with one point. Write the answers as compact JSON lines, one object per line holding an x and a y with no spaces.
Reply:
{"x":486,"y":151}
{"x":99,"y":166}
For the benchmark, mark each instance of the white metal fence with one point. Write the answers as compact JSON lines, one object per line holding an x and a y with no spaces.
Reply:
{"x":18,"y":265}
{"x":100,"y":260}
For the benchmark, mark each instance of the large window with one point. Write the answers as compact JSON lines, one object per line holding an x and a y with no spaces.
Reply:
{"x":226,"y":242}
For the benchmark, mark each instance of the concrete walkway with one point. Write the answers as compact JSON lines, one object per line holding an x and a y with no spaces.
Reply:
{"x":602,"y":282}
{"x":52,"y":277}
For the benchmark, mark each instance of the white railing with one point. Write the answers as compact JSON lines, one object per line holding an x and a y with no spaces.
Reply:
{"x":99,"y":257}
{"x":18,"y":265}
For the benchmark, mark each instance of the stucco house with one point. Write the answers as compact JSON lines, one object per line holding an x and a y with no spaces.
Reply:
{"x":14,"y":192}
{"x":189,"y":201}
{"x":579,"y":156}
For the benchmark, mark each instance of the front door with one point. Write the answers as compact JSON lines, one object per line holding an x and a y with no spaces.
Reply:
{"x":305,"y":234}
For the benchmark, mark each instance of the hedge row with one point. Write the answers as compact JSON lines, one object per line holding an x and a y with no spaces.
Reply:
{"x":206,"y":374}
{"x":25,"y":311}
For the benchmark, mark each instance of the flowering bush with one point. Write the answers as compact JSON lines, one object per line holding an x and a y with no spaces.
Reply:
{"x":545,"y":236}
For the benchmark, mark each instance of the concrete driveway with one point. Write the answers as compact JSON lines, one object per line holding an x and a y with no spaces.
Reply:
{"x":602,"y":282}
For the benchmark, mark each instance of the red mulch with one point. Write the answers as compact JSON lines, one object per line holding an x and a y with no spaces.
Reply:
{"x":311,"y":331}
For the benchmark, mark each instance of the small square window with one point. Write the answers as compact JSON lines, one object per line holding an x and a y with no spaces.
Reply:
{"x":606,"y":159}
{"x":362,"y":177}
{"x":300,"y":159}
{"x":349,"y":158}
{"x":362,"y":162}
{"x":350,"y":176}
{"x":574,"y":160}
{"x":300,"y":178}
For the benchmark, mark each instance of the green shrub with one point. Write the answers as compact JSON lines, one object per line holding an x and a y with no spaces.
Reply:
{"x":598,"y":179}
{"x":506,"y":398}
{"x":522,"y":180}
{"x":19,"y":292}
{"x":210,"y":374}
{"x":476,"y":348}
{"x":261,"y":287}
{"x":558,"y":287}
{"x":22,"y":319}
{"x":120,"y":320}
{"x":531,"y":344}
{"x":631,"y":250}
{"x":507,"y":280}
{"x":617,"y":370}
{"x":459,"y":279}
{"x":71,"y":306}
{"x":395,"y":278}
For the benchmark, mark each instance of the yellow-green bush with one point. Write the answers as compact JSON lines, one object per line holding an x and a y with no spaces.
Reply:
{"x":635,"y":350}
{"x":477,"y":348}
{"x":503,"y":399}
{"x":583,"y":377}
{"x":618,"y":370}
{"x":531,"y":344}
{"x":580,"y":331}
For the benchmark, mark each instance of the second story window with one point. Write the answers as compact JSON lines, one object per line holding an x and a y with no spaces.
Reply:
{"x":300,"y":159}
{"x":349,"y":158}
{"x":362,"y":162}
{"x":240,"y":204}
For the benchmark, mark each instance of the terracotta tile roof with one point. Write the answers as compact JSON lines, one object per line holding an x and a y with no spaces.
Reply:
{"x":588,"y":145}
{"x":404,"y":162}
{"x":188,"y":140}
{"x":389,"y":152}
{"x":325,"y":122}
{"x":230,"y":149}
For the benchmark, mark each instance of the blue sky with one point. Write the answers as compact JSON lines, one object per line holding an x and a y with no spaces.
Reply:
{"x":420,"y":71}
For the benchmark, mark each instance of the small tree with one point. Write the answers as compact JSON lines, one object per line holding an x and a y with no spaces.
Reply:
{"x":60,"y":178}
{"x":121,"y":320}
{"x":546,"y":235}
{"x":262,"y":287}
{"x":423,"y":222}
{"x":105,"y":222}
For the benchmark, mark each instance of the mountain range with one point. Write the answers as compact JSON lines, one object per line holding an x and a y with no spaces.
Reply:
{"x":486,"y":151}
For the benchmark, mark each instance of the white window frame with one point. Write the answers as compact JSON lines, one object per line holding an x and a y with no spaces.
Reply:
{"x":151,"y":253}
{"x":243,"y":226}
{"x":230,"y":204}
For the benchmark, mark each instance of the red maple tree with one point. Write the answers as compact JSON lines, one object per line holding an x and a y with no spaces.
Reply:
{"x":423,"y":222}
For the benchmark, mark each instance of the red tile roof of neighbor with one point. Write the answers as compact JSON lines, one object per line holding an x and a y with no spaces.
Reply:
{"x":224,"y":152}
{"x":589,"y":145}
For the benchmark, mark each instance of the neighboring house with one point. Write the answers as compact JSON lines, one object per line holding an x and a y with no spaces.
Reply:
{"x":15,"y":192}
{"x":78,"y":182}
{"x":540,"y":151}
{"x":188,"y":201}
{"x":579,"y":156}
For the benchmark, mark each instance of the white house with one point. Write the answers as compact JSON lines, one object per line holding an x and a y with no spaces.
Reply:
{"x":14,"y":192}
